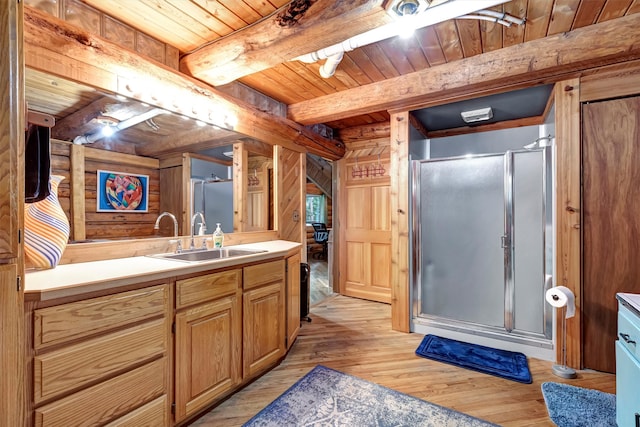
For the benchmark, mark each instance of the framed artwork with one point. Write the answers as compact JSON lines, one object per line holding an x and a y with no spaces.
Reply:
{"x":122,"y":192}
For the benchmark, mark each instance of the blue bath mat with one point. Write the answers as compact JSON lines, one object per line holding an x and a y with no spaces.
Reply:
{"x":571,"y":406}
{"x":501,"y":363}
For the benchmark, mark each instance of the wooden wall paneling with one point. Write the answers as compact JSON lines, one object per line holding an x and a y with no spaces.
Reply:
{"x":568,"y":210}
{"x":288,"y":170}
{"x":399,"y":173}
{"x":78,"y":201}
{"x":12,"y":124}
{"x":119,"y":33}
{"x":303,"y":203}
{"x":240,"y":184}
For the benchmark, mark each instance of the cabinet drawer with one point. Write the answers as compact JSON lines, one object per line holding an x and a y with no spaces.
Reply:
{"x":74,"y":366}
{"x":629,"y":331}
{"x":261,"y":274}
{"x":153,"y":414}
{"x":203,"y":288}
{"x":106,"y":401}
{"x":65,"y":322}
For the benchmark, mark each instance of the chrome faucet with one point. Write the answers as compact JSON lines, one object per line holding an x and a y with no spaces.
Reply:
{"x":175,"y":227}
{"x":193,"y":226}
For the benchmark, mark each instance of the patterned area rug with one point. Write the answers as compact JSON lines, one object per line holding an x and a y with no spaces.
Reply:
{"x":328,"y":397}
{"x":501,"y":363}
{"x":571,"y":406}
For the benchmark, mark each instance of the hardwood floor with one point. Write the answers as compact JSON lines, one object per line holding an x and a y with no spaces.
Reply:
{"x":355,"y":337}
{"x":319,"y":286}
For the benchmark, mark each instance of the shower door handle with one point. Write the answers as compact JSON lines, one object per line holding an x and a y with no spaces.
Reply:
{"x":504,"y":242}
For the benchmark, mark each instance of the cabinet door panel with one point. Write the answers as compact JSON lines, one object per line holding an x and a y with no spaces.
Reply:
{"x":207,"y":353}
{"x":263,"y":342}
{"x":154,"y":413}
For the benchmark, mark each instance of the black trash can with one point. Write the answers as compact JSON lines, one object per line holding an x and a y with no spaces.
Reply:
{"x":305,"y":276}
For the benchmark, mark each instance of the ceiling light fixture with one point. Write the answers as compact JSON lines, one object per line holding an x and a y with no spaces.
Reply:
{"x":478,"y":115}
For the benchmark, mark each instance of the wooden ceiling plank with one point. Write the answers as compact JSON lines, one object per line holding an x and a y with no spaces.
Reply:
{"x":538,"y":16}
{"x":412,"y":49}
{"x":614,"y":9}
{"x":564,"y":12}
{"x":428,"y":40}
{"x":349,"y":66}
{"x":310,"y":77}
{"x":367,"y":64}
{"x":269,"y":82}
{"x":470,"y":38}
{"x":546,"y":59}
{"x":514,"y":34}
{"x":193,"y":16}
{"x":114,"y":68}
{"x":381,"y":60}
{"x":214,"y":10}
{"x":588,"y":13}
{"x":634,"y":8}
{"x":393,"y":51}
{"x":291,"y":82}
{"x":264,"y":8}
{"x":491,"y":33}
{"x":239,"y":8}
{"x":449,"y":40}
{"x":266,"y":44}
{"x":146,"y":18}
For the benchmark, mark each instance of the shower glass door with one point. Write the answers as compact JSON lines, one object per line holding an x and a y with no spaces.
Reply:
{"x":461,"y":224}
{"x":479,"y":243}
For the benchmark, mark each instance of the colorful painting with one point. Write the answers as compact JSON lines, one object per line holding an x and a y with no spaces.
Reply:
{"x":124,"y":192}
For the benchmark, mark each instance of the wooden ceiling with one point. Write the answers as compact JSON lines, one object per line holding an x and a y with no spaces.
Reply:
{"x":242,"y":41}
{"x":188,"y":25}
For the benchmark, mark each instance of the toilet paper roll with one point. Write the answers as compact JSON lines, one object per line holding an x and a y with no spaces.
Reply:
{"x":561,"y":296}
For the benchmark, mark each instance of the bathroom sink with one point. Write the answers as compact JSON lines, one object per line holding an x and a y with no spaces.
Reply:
{"x":209,"y":255}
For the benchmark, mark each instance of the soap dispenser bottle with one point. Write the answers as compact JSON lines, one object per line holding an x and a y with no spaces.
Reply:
{"x":218,"y":237}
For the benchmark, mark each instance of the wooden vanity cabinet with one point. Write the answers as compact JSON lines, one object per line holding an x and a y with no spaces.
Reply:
{"x":263,"y":316}
{"x":208,"y":333}
{"x":103,"y":360}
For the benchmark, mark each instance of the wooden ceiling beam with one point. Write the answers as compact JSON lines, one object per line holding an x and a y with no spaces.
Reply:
{"x":267,"y":44}
{"x":57,"y":47}
{"x":544,"y":60}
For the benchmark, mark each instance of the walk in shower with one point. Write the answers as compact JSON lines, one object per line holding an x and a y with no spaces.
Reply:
{"x":482,"y":249}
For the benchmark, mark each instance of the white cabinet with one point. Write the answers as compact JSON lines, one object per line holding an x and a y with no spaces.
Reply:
{"x":628,"y":362}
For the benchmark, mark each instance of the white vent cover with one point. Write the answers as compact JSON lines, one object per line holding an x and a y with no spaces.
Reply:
{"x":477,"y":115}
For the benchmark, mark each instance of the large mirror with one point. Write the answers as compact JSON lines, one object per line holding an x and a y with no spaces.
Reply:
{"x":189,"y":164}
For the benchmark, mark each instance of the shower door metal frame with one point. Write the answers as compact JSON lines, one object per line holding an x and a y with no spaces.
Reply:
{"x":508,"y":331}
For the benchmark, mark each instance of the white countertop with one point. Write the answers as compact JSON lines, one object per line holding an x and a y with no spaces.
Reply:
{"x":74,"y":279}
{"x":633,"y":300}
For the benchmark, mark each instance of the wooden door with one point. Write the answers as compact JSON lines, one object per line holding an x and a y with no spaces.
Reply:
{"x":208,"y":359}
{"x":611,"y":222}
{"x":293,"y":298}
{"x":365,"y":237}
{"x":263,"y":335}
